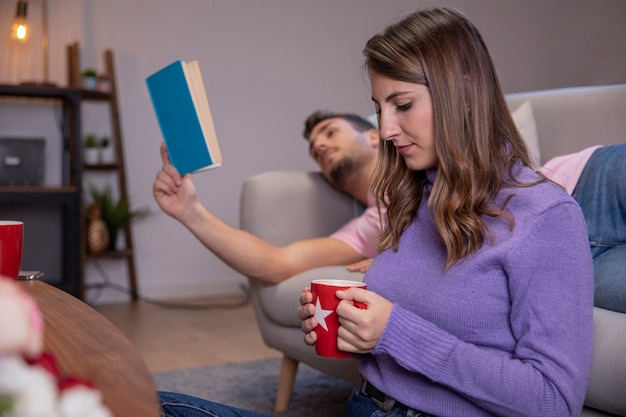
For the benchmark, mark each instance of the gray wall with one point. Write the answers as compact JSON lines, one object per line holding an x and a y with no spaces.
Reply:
{"x":267,"y":65}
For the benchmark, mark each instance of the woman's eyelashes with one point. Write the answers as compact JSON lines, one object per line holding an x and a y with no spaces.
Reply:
{"x":401,"y":108}
{"x":404,"y":107}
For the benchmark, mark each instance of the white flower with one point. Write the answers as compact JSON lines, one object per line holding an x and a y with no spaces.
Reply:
{"x":82,"y":401}
{"x":33,"y":390}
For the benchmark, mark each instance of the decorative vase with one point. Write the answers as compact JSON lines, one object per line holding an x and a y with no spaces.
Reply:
{"x":107,"y":156}
{"x":90,"y":83}
{"x":91,"y":156}
{"x":104,"y":84}
{"x":97,"y":233}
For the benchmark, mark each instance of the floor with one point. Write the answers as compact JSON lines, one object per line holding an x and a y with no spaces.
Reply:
{"x":190,"y":333}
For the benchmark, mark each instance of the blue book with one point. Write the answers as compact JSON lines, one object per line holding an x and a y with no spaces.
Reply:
{"x":182,"y":110}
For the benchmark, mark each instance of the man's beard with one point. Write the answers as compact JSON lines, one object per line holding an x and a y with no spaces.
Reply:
{"x":341,"y":171}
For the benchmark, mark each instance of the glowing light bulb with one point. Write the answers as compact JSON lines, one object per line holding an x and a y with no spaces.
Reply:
{"x":20,"y":30}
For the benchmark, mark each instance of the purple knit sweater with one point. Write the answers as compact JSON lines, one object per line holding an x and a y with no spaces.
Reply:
{"x":505,"y":331}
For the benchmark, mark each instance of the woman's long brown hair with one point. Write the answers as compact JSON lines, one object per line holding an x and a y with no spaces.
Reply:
{"x":476,"y":140}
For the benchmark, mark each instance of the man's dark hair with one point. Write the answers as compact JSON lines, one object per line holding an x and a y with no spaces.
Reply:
{"x":358,"y":122}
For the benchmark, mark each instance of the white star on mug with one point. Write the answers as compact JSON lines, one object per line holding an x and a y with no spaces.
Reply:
{"x":321,"y":314}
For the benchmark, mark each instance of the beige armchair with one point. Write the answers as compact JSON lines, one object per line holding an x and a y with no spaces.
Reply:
{"x":282,"y":207}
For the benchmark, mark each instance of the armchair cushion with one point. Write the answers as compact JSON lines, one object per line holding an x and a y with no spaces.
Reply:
{"x":525,"y":122}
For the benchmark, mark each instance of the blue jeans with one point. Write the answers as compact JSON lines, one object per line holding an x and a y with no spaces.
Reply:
{"x":601,"y":193}
{"x":180,"y":405}
{"x":361,"y":405}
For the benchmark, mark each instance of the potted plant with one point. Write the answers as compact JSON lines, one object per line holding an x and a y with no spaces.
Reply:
{"x":92,"y":149}
{"x":106,"y":151}
{"x":115,"y":213}
{"x":90,"y":78}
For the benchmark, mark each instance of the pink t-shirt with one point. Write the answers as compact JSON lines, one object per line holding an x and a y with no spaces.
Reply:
{"x":566,"y":169}
{"x":362,"y":231}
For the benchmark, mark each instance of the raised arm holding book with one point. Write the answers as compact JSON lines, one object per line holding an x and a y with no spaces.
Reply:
{"x":345,"y":148}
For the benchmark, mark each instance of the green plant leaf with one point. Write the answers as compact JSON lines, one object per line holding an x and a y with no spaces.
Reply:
{"x":6,"y":405}
{"x":115,"y":213}
{"x":89,"y":72}
{"x":91,"y":141}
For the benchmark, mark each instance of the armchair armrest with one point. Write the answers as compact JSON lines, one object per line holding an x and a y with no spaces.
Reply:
{"x":607,"y":384}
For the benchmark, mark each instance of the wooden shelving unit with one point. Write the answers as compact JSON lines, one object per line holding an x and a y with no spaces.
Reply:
{"x":69,"y":195}
{"x":117,"y":167}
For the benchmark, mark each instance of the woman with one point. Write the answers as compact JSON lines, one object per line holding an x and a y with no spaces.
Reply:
{"x":480,"y":300}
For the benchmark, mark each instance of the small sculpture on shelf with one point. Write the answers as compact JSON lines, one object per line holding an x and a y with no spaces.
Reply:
{"x":97,"y":233}
{"x":104,"y":83}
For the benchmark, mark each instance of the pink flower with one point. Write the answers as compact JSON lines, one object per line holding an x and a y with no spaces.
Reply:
{"x":30,"y":382}
{"x":21,"y":324}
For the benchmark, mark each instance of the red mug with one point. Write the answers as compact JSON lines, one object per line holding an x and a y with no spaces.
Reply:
{"x":326,"y":302}
{"x":11,"y":240}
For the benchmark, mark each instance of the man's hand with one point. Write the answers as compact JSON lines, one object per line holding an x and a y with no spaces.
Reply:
{"x":361,"y":266}
{"x":174,"y":194}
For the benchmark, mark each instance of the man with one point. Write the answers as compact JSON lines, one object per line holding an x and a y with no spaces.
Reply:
{"x":345,"y":147}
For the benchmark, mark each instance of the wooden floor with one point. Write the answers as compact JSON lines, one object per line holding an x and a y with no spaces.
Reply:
{"x":176,"y":338}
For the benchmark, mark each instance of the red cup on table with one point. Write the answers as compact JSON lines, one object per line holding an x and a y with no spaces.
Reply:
{"x":326,"y":302}
{"x":11,"y":241}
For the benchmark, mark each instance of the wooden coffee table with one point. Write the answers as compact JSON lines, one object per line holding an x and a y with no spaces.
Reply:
{"x":87,"y":345}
